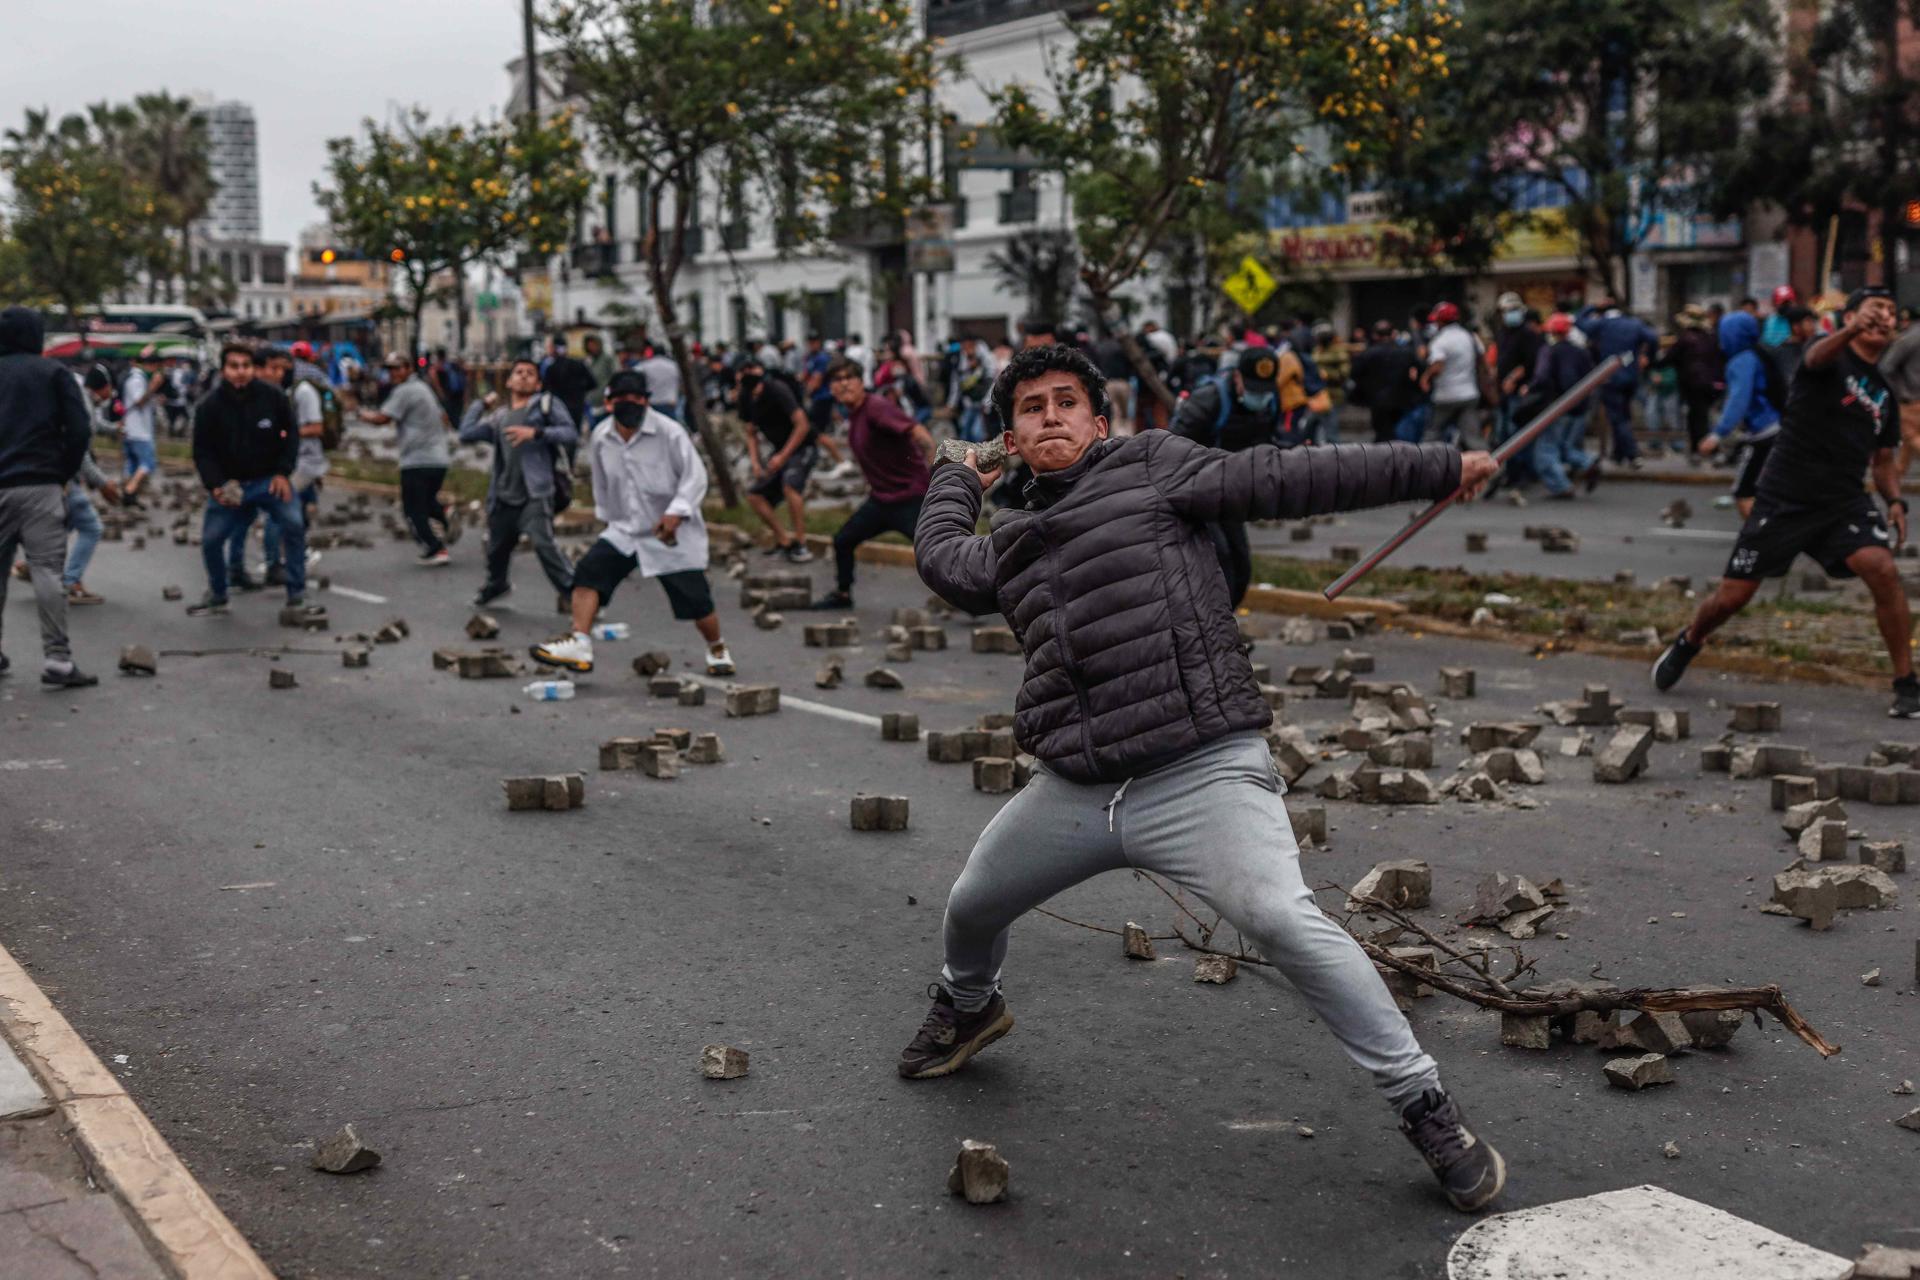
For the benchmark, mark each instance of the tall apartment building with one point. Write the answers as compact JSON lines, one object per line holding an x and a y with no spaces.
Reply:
{"x":234,"y":156}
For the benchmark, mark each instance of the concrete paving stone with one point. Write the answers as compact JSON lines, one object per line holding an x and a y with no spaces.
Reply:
{"x":1456,"y":682}
{"x":482,"y":626}
{"x":884,"y":678}
{"x":664,"y":686}
{"x":1526,"y":1030}
{"x":879,"y":813}
{"x":1823,"y":841}
{"x":659,"y":760}
{"x":652,"y":662}
{"x":1716,"y":758}
{"x":343,"y":1152}
{"x":980,"y":1173}
{"x":723,"y":1062}
{"x":355,"y":655}
{"x":1643,"y":1072}
{"x":993,"y":775}
{"x":1755,"y":717}
{"x":691,"y":694}
{"x":1713,"y":1028}
{"x":995,"y":640}
{"x":900,"y":726}
{"x":1218,"y":970}
{"x":1651,"y":1032}
{"x":1798,"y":817}
{"x":753,"y":700}
{"x":1790,"y":789}
{"x":281,"y":678}
{"x":139,"y":660}
{"x":1403,"y":883}
{"x":705,"y":749}
{"x":1888,"y":855}
{"x":1625,"y":755}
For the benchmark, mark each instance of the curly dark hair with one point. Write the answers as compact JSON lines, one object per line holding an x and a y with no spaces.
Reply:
{"x":1030,"y":363}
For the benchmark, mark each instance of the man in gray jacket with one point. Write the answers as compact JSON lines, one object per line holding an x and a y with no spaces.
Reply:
{"x":1142,"y":710}
{"x":529,"y":434}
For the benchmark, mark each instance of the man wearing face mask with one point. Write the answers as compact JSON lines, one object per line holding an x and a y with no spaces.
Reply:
{"x":1516,"y":352}
{"x":647,"y":487}
{"x":1235,"y":411}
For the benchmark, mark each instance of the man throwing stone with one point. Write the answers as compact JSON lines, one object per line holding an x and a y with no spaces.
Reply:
{"x":1841,"y":421}
{"x":647,"y":487}
{"x":1143,"y":713}
{"x":530,"y":434}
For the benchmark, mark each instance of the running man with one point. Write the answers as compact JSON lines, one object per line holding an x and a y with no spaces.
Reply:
{"x":769,"y":409}
{"x":893,"y":451}
{"x":647,"y":486}
{"x":1841,"y":420}
{"x":1753,"y":403}
{"x":140,"y":395}
{"x":419,"y":421}
{"x":1144,"y":715}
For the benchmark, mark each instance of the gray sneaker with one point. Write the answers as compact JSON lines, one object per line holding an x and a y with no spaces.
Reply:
{"x":1470,"y":1171}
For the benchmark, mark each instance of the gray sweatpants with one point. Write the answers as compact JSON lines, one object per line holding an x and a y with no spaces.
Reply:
{"x":1213,"y":823}
{"x":33,"y":518}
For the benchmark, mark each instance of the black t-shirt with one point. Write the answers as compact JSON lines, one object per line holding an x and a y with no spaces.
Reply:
{"x":1837,"y":416}
{"x":772,"y":412}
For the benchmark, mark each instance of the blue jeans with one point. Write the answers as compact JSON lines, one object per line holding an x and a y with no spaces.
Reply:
{"x":1413,"y":424}
{"x":139,"y":456}
{"x":269,"y":538}
{"x":973,"y":426}
{"x":221,"y":525}
{"x":84,"y":522}
{"x":1558,"y":451}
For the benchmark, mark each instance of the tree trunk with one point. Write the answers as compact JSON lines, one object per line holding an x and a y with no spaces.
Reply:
{"x":1108,"y":316}
{"x":459,"y":311}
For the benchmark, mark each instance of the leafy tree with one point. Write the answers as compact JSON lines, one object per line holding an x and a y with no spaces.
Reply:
{"x":1158,"y":112}
{"x":71,"y":211}
{"x":169,"y":150}
{"x":1041,"y":266}
{"x":802,"y":105}
{"x":1846,"y":133}
{"x":1614,"y":111}
{"x":438,"y":198}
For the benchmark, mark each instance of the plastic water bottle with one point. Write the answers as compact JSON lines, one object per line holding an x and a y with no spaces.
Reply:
{"x":610,"y":631}
{"x":550,"y":690}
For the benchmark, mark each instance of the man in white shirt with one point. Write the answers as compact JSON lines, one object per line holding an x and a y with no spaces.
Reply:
{"x":140,"y":394}
{"x":1452,"y":378}
{"x":662,"y":373}
{"x":647,"y":487}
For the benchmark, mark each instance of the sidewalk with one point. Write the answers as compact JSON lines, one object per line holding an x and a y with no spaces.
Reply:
{"x":89,"y":1190}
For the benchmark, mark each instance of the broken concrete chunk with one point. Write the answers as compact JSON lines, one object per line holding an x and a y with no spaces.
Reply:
{"x":1476,"y":541}
{"x":1824,"y":841}
{"x":1656,"y":1033}
{"x":980,"y":1174}
{"x":691,"y":694}
{"x":1526,"y":1030}
{"x":488,"y":664}
{"x":1218,"y":970}
{"x":831,"y":673}
{"x":1353,"y":662}
{"x":1799,"y":817}
{"x":1755,"y":717}
{"x":767,"y":619}
{"x":482,"y":626}
{"x":831,"y":635}
{"x":1712,"y":1028}
{"x":723,"y":1062}
{"x":1667,"y":726}
{"x":343,"y":1152}
{"x":1625,"y":755}
{"x":1296,"y":630}
{"x":1911,"y":1120}
{"x":995,"y":640}
{"x":1791,"y":789}
{"x":883,"y":678}
{"x":987,"y":455}
{"x":879,"y":813}
{"x":171,"y":593}
{"x":393,"y":631}
{"x":1405,"y":884}
{"x":1716,"y":758}
{"x":705,"y":749}
{"x":139,"y":660}
{"x":1508,"y":733}
{"x":1135,"y":943}
{"x":304,"y":617}
{"x":1887,"y":855}
{"x":1408,"y":751}
{"x":1639,"y":1073}
{"x":355,"y":655}
{"x":1456,"y":682}
{"x":652,"y":663}
{"x":281,"y":678}
{"x":664,"y":686}
{"x":1592,"y":1028}
{"x":993,"y":775}
{"x":1500,"y":895}
{"x":1310,"y":825}
{"x":753,"y":700}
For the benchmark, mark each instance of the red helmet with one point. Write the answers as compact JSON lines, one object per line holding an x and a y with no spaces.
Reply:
{"x":1783,"y":295}
{"x":1560,"y":324}
{"x":1445,"y":313}
{"x":301,"y":350}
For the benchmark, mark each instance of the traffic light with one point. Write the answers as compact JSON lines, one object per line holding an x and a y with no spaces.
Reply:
{"x":326,"y":257}
{"x":1913,"y":213}
{"x":398,"y":255}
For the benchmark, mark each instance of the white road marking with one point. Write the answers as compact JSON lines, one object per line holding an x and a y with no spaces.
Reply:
{"x":1713,"y":535}
{"x":15,"y":765}
{"x":802,"y":704}
{"x":1636,"y":1231}
{"x":352,"y":594}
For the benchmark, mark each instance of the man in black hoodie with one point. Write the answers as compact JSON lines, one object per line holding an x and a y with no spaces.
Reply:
{"x":245,"y":445}
{"x":43,"y":437}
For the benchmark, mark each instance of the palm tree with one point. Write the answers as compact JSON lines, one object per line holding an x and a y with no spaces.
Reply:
{"x":170,"y":140}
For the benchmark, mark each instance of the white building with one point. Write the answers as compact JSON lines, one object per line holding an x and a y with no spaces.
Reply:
{"x":740,"y":283}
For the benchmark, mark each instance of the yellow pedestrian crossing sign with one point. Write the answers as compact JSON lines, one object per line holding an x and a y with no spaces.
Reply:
{"x":1251,"y":285}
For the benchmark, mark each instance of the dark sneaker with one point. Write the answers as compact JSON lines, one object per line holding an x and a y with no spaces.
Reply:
{"x":1592,"y":476}
{"x":1673,"y":663}
{"x":209,"y":604}
{"x":777,"y":549}
{"x":241,"y":580}
{"x":1906,"y":699}
{"x":797,"y":553}
{"x":949,"y":1037}
{"x":1470,"y":1171}
{"x":276,"y":575}
{"x":296,"y":602}
{"x":70,"y":678}
{"x":491,"y":592}
{"x":6,"y":664}
{"x":833,"y":600}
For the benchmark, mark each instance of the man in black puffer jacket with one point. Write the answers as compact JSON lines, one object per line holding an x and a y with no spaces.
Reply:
{"x":1144,"y":715}
{"x":43,"y":439}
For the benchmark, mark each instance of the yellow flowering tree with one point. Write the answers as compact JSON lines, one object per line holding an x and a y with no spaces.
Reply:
{"x":1171,"y":119}
{"x":811,"y":110}
{"x":433,"y":198}
{"x":73,"y":216}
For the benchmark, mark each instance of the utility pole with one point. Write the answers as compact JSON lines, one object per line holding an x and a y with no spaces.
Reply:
{"x":527,"y":59}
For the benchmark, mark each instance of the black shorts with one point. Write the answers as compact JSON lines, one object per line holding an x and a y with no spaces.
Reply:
{"x":791,"y":475}
{"x":604,"y":568}
{"x":1774,"y":534}
{"x":1747,"y":484}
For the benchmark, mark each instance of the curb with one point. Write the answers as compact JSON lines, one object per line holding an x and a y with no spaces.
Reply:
{"x":181,"y":1225}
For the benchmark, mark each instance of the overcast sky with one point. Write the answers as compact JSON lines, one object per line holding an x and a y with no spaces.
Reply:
{"x":311,"y":70}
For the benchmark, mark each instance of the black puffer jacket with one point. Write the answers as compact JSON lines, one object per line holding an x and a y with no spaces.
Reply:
{"x":1111,"y":583}
{"x":43,"y":421}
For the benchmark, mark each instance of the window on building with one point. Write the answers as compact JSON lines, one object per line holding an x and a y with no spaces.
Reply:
{"x":273,"y":269}
{"x":739,"y":317}
{"x":226,"y":263}
{"x":827,"y":314}
{"x":1022,"y":203}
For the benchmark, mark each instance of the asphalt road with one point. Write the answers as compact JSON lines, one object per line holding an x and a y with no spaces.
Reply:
{"x":293,"y":909}
{"x":1619,"y":526}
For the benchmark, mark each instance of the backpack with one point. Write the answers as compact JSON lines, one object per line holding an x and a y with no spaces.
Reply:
{"x":332,"y":418}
